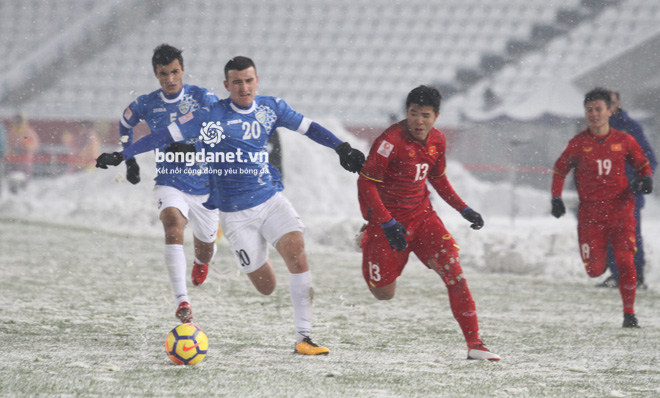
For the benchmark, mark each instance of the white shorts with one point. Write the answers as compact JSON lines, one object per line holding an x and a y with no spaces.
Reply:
{"x":204,"y":221}
{"x":249,"y":231}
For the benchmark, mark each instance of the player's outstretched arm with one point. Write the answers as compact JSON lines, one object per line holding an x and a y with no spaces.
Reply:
{"x":447,"y":193}
{"x":350,"y":158}
{"x":126,"y":138}
{"x":109,"y":159}
{"x":157,"y":139}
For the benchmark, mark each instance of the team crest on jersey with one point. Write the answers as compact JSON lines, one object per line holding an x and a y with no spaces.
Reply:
{"x":188,"y":104}
{"x":588,"y":149}
{"x":211,"y":133}
{"x":261,"y":117}
{"x":385,"y":149}
{"x":433,"y":150}
{"x":266,"y":116}
{"x":411,"y":153}
{"x":616,"y":147}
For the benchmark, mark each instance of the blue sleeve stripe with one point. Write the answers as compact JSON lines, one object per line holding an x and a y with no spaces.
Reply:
{"x":323,"y":136}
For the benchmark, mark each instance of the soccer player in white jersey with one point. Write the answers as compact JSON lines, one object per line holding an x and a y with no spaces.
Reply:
{"x":246,"y":189}
{"x":181,"y":188}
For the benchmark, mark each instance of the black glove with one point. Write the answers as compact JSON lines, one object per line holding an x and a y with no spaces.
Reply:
{"x":109,"y":159}
{"x":181,"y":147}
{"x":350,"y":158}
{"x":395,"y":234}
{"x":642,"y":185}
{"x":132,"y":171}
{"x":473,"y":217}
{"x":558,"y":208}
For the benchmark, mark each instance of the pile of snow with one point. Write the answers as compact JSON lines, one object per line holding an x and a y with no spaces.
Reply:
{"x":520,"y":236}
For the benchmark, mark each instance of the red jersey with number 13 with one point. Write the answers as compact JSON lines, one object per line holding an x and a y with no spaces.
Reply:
{"x":399,"y":166}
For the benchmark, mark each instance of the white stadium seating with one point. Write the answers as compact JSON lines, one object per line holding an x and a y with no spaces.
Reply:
{"x":350,"y":59}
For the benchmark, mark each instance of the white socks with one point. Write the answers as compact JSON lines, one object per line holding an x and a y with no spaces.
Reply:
{"x":302,"y":295}
{"x":175,"y":261}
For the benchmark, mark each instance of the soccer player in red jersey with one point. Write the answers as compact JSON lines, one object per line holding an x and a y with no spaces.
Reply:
{"x":606,"y":210}
{"x":394,"y":199}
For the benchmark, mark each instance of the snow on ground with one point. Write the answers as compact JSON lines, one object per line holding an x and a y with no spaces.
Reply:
{"x":325,"y":195}
{"x":89,"y":305}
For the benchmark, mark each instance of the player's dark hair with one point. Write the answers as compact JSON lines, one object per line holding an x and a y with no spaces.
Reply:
{"x":239,"y":63}
{"x":616,"y":94}
{"x":425,"y":96}
{"x":599,"y":93}
{"x":165,"y":55}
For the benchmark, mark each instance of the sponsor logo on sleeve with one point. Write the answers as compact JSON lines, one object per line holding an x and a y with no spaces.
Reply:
{"x":385,"y":149}
{"x":128,"y":114}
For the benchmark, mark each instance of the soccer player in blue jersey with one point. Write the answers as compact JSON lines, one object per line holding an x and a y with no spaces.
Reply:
{"x":246,"y":189}
{"x":181,"y":188}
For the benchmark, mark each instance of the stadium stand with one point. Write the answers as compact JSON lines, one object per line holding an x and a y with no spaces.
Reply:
{"x":356,"y":59}
{"x":611,"y":33}
{"x":353,"y":60}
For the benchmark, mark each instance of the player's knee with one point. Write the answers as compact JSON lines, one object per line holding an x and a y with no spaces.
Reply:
{"x":382,"y":294}
{"x":448,"y":266}
{"x":264,"y":279}
{"x":595,"y":268}
{"x":267,"y":290}
{"x":266,"y":287}
{"x":173,"y":229}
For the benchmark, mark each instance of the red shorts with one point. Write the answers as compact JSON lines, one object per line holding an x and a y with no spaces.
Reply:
{"x":614,"y":225}
{"x":427,"y":238}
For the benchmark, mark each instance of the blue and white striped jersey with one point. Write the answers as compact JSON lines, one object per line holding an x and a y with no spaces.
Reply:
{"x":158,"y":111}
{"x":234,"y":145}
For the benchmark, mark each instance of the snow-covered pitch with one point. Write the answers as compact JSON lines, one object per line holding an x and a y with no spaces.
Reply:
{"x":87,"y":304}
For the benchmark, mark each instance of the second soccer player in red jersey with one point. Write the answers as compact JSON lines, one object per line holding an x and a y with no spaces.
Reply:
{"x":606,"y":210}
{"x":394,"y":199}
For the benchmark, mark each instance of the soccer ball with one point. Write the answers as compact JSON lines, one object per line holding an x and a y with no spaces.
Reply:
{"x":186,"y":344}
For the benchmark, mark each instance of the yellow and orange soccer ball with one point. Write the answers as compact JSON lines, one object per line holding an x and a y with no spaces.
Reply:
{"x":186,"y":344}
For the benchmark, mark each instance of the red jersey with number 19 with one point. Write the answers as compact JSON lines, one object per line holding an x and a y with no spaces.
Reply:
{"x":600,"y":165}
{"x":392,"y":182}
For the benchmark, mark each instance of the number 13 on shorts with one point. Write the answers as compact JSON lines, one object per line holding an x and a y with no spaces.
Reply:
{"x":374,"y":272}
